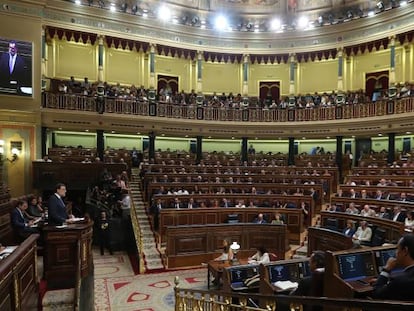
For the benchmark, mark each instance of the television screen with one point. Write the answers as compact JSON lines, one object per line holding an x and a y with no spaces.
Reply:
{"x":356,"y":266}
{"x":16,"y":67}
{"x":286,"y":272}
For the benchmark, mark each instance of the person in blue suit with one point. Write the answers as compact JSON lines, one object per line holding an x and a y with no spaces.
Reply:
{"x":20,"y":224}
{"x":349,"y":230}
{"x":57,"y":214}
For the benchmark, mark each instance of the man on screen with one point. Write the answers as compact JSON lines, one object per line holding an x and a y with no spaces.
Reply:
{"x":13,"y":69}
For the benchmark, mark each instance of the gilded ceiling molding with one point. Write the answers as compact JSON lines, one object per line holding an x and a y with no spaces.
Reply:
{"x":66,"y":15}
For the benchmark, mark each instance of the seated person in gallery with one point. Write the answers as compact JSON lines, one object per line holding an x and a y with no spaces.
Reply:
{"x":20,"y":224}
{"x":363,"y":234}
{"x":349,"y":230}
{"x":383,"y":213}
{"x":260,"y":219}
{"x":261,"y":256}
{"x":398,"y":287}
{"x":34,"y":209}
{"x":367,"y":211}
{"x":227,"y":253}
{"x":278,"y":220}
{"x":409,"y":222}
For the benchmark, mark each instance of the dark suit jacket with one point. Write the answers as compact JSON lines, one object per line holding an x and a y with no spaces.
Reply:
{"x":18,"y":223}
{"x":399,"y":287}
{"x":17,"y":220}
{"x":350,"y":233}
{"x":56,"y":211}
{"x":20,"y":71}
{"x":400,"y":218}
{"x":310,"y":286}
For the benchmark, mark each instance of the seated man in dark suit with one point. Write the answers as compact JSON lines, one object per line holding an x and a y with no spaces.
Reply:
{"x":313,"y":285}
{"x":399,"y":287}
{"x":57,"y":208}
{"x":19,"y":223}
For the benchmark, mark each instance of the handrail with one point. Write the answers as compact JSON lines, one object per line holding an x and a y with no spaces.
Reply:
{"x":129,"y":106}
{"x":137,"y":233}
{"x":202,"y":300}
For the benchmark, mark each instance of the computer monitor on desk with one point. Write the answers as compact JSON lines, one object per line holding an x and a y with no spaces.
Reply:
{"x":356,"y":266}
{"x":288,"y":271}
{"x":239,"y":274}
{"x":382,"y":257}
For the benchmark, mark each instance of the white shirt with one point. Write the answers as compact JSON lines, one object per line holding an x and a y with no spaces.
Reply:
{"x":261,"y":259}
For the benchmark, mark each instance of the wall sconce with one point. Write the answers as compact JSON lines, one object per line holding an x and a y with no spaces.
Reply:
{"x":15,"y":155}
{"x":15,"y":149}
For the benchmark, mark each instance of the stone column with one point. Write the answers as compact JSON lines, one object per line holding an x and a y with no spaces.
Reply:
{"x":245,"y":89}
{"x":44,"y":60}
{"x":151,"y":95}
{"x":292,"y":65}
{"x":391,"y":148}
{"x":392,"y":61}
{"x":44,"y":141}
{"x":151,"y":152}
{"x":199,"y":72}
{"x":291,"y":154}
{"x":339,"y":157}
{"x":244,"y":150}
{"x":199,"y":155}
{"x":340,"y":70}
{"x":100,"y":144}
{"x":100,"y":58}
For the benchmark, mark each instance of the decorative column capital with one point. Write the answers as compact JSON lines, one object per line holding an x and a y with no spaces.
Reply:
{"x":246,"y":58}
{"x":101,"y":39}
{"x":340,"y":51}
{"x":200,"y":55}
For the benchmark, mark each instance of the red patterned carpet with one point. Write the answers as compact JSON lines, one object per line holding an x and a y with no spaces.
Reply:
{"x":118,"y":289}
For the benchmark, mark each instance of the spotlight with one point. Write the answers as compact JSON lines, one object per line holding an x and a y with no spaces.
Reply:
{"x":380,"y":6}
{"x":349,"y":14}
{"x":101,"y":3}
{"x":320,"y":20}
{"x":275,"y":24}
{"x":112,"y":8}
{"x":221,"y":23}
{"x":331,"y":18}
{"x":303,"y":22}
{"x":249,"y":26}
{"x":164,"y":13}
{"x":124,"y":7}
{"x":78,"y":2}
{"x":134,"y":9}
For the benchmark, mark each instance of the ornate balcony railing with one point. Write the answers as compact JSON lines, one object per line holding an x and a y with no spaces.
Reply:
{"x":193,"y":112}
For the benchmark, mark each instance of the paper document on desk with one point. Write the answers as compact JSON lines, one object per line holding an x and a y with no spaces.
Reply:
{"x":286,"y":284}
{"x":9,"y":249}
{"x":75,"y":219}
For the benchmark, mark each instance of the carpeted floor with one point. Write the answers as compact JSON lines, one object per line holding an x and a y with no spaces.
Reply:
{"x":117,"y":288}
